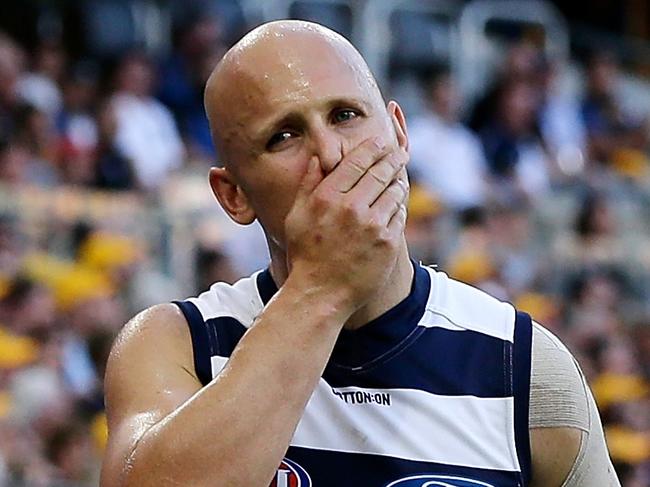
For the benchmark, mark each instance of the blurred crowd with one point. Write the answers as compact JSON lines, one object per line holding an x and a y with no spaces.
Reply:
{"x":537,"y":194}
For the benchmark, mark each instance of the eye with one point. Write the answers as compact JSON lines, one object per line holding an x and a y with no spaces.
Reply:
{"x":346,"y":115}
{"x":278,"y":138}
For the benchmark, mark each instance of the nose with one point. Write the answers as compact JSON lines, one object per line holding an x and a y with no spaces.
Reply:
{"x":328,"y":146}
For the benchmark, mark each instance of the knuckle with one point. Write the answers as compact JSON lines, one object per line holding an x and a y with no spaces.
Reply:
{"x":396,"y":162}
{"x":378,"y":176}
{"x":370,"y":150}
{"x":320,"y":200}
{"x":351,"y":209}
{"x":404,"y":191}
{"x":396,"y":191}
{"x":376,"y":227}
{"x":377,"y":144}
{"x":356,"y":165}
{"x":385,"y":239}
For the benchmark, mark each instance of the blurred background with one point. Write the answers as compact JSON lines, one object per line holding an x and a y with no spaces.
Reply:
{"x":530,"y":129}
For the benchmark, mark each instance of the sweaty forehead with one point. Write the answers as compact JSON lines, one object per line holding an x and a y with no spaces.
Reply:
{"x":278,"y":67}
{"x":289,"y":61}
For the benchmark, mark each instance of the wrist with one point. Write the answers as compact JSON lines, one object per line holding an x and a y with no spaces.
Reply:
{"x":333,"y":303}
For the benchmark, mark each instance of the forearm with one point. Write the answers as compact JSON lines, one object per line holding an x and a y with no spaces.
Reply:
{"x":236,"y":430}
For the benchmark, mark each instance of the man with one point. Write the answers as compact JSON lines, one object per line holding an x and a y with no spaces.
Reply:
{"x":446,"y":157}
{"x":344,"y":364}
{"x":145,"y":131}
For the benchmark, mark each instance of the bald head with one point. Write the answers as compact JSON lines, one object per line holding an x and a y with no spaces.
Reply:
{"x":272,"y":67}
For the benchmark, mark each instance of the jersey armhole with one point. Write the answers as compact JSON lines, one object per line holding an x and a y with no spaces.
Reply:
{"x":521,"y":385}
{"x":201,"y":343}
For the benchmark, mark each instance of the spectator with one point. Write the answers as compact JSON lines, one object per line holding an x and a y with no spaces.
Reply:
{"x":594,"y":240}
{"x":424,"y":211}
{"x":514,"y":148}
{"x":593,"y":312}
{"x":513,"y":244}
{"x":40,"y":87}
{"x":35,"y":134}
{"x":560,"y":121}
{"x":69,"y":449}
{"x":14,"y":161}
{"x":609,"y":128}
{"x":113,"y":169}
{"x":470,"y":257}
{"x":75,"y":122}
{"x":12,"y":59}
{"x":28,"y":308}
{"x":146,"y":131}
{"x":10,"y":246}
{"x":183,"y":77}
{"x":521,"y":63}
{"x":446,"y":157}
{"x":212,"y":265}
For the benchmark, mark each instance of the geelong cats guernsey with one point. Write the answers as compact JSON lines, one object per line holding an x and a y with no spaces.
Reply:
{"x":432,"y":393}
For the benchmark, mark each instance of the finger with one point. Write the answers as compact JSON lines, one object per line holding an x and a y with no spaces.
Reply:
{"x":403,"y":176}
{"x":379,"y":177}
{"x":311,"y":179}
{"x":390,"y":201}
{"x":355,"y":164}
{"x":398,"y":221}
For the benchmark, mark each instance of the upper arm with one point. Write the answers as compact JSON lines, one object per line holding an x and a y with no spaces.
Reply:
{"x":554,"y":452}
{"x":149,"y":374}
{"x":567,"y":442}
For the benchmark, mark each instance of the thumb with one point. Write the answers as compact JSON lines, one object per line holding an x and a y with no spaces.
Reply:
{"x":312,"y":177}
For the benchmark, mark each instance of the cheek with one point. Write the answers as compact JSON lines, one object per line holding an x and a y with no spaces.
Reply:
{"x":273,"y":190}
{"x":283,"y":177}
{"x":383,"y":126}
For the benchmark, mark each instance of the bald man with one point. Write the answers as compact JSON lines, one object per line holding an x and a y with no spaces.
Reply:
{"x":344,"y":363}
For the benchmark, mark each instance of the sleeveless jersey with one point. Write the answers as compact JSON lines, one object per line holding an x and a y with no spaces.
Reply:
{"x":432,"y":393}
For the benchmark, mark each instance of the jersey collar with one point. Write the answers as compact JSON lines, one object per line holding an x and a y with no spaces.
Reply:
{"x":378,"y":339}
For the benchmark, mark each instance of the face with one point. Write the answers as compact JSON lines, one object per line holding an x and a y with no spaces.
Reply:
{"x":445,"y":98}
{"x":603,"y":76}
{"x":518,"y":107}
{"x":314,"y":100}
{"x":136,"y":77}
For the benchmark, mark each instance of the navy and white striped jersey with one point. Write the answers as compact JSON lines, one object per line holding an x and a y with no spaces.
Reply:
{"x":432,"y":393}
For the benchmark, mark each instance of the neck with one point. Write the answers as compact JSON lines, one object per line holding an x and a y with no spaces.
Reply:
{"x":396,"y":288}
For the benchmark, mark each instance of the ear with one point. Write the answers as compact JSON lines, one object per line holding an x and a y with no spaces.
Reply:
{"x":231,"y":197}
{"x":399,"y":123}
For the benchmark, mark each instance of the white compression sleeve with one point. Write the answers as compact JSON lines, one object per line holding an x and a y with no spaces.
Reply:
{"x":560,"y":398}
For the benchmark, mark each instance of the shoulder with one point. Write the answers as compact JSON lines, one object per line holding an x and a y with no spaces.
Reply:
{"x":464,"y":307}
{"x":159,"y":329}
{"x":150,"y":351}
{"x":240,"y":301}
{"x":558,"y":391}
{"x":168,"y":322}
{"x":559,"y":412}
{"x":162,"y":320}
{"x":149,"y":374}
